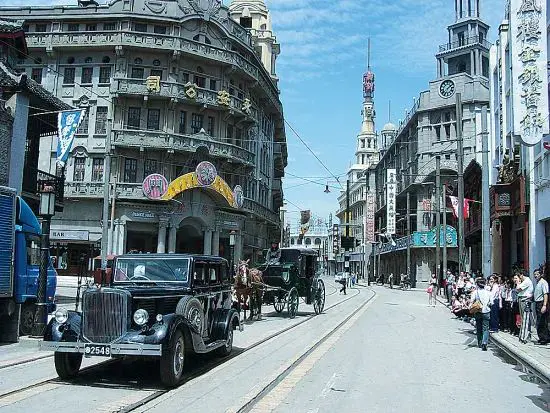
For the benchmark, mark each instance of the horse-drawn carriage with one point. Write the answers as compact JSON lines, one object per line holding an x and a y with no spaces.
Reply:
{"x":283,"y":283}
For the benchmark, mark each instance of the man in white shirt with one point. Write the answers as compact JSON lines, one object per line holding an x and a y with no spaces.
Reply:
{"x":525,"y":295}
{"x":541,"y":303}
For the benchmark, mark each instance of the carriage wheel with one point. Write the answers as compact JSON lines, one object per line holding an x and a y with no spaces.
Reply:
{"x":279,"y":303}
{"x":319,"y":297}
{"x":292,"y":302}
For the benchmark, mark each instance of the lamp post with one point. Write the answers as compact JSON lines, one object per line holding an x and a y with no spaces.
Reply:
{"x":46,"y":211}
{"x":232,"y":235}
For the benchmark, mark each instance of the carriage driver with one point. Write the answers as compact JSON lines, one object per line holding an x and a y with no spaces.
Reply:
{"x":274,"y":253}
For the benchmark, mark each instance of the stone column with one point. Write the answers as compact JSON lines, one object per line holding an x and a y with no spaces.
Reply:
{"x":161,"y":243}
{"x":207,"y":242}
{"x":19,"y":104}
{"x":216,"y":243}
{"x":114,"y":236}
{"x":121,"y":237}
{"x":172,"y":239}
{"x":238,"y":255}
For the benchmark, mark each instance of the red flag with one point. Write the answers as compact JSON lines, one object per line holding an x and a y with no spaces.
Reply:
{"x":465,"y":207}
{"x":454,"y":203}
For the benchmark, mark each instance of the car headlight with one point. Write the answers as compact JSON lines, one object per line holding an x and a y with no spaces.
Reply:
{"x":61,"y":316}
{"x":141,"y":317}
{"x":286,"y":276}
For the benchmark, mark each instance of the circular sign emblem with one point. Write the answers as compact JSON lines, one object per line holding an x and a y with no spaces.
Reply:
{"x":155,"y":186}
{"x":206,"y":173}
{"x":239,"y":196}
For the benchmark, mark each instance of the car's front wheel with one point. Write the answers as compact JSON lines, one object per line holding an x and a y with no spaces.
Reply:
{"x":172,"y":360}
{"x":67,"y":365}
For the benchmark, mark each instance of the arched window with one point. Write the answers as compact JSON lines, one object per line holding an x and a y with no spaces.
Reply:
{"x":156,"y":62}
{"x":200,"y":69}
{"x":106,"y":59}
{"x":207,"y":40}
{"x":138,"y":61}
{"x":299,"y":241}
{"x":197,"y":38}
{"x":70,"y":60}
{"x":88,"y":60}
{"x":317,"y":241}
{"x":292,"y":241}
{"x":308,"y":241}
{"x":263,"y":27}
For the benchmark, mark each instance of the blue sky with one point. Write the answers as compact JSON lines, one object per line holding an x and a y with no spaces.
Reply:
{"x":323,"y":57}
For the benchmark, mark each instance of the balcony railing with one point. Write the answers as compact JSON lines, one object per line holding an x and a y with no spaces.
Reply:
{"x":32,"y":178}
{"x":181,"y":143}
{"x":176,"y":90}
{"x":261,"y":211}
{"x":472,"y":40}
{"x":124,"y":190}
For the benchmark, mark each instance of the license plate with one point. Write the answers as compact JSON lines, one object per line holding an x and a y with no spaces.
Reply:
{"x":101,"y":350}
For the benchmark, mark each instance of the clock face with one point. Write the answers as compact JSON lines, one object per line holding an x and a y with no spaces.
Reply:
{"x":447,"y":88}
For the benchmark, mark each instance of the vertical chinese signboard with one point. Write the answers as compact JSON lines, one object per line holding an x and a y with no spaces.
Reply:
{"x":530,"y":83}
{"x":391,"y":187}
{"x":369,"y":218}
{"x":335,"y":239}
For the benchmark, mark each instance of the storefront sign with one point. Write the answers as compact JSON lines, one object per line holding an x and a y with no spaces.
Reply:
{"x":143,"y":215}
{"x":428,"y":238}
{"x":391,"y":188}
{"x":69,"y":235}
{"x":529,"y":60}
{"x":369,"y":218}
{"x":155,"y":186}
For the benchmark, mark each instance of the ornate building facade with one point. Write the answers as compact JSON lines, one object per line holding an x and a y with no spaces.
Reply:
{"x":183,"y":95}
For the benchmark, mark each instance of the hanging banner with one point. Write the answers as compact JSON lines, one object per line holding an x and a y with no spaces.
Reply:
{"x":369,"y":218}
{"x":529,"y":61}
{"x":465,"y":207}
{"x":305,"y":216}
{"x":391,"y":188}
{"x":67,"y":124}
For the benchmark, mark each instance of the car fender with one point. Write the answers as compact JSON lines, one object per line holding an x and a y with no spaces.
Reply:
{"x":163,"y":331}
{"x":223,"y":320}
{"x":68,"y":331}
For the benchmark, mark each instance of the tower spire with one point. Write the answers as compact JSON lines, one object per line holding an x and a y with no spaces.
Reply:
{"x":368,"y":55}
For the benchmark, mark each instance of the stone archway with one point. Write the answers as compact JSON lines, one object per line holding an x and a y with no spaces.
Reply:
{"x":189,"y":236}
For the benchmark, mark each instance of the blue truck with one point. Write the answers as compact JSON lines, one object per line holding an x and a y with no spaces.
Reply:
{"x":20,"y":234}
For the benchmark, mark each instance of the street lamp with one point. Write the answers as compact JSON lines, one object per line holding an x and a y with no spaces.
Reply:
{"x":46,"y":210}
{"x":232,"y":235}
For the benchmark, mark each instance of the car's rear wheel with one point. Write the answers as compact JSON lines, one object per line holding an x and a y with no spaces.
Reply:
{"x":67,"y":365}
{"x":226,"y":349}
{"x":172,"y":360}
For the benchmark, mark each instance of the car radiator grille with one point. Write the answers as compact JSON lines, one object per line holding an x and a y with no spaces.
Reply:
{"x":105,"y":315}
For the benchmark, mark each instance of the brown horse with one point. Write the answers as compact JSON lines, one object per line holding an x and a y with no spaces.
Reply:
{"x":248,"y":289}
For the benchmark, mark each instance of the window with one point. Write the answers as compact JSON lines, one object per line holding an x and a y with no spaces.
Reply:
{"x":183,"y":122}
{"x":200,"y":81}
{"x":97,"y":169}
{"x":140,"y":27}
{"x":36,"y":74}
{"x":41,"y":28}
{"x":106,"y":59}
{"x":134,"y":116}
{"x":73,"y":27}
{"x":137,"y":73}
{"x":156,"y":62}
{"x":447,"y":132}
{"x":68,"y":76}
{"x":105,"y":74}
{"x":153,"y":119}
{"x":238,"y":136}
{"x":156,"y":72}
{"x":79,"y":169}
{"x":33,"y":250}
{"x":101,"y":120}
{"x":83,"y":127}
{"x":88,"y":60}
{"x":25,"y":28}
{"x":160,"y":29}
{"x":109,"y":26}
{"x":150,"y":166}
{"x":212,"y":84}
{"x":138,"y":61}
{"x":196,"y":122}
{"x":86,"y":75}
{"x":437,"y":133}
{"x":185,"y":77}
{"x":70,"y":60}
{"x":211,"y":124}
{"x":130,"y":170}
{"x":229,"y":134}
{"x":91,"y":27}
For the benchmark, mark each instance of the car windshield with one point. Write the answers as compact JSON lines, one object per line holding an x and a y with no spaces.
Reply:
{"x":143,"y":270}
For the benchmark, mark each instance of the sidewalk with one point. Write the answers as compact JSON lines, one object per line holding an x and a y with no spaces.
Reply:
{"x":534,"y":357}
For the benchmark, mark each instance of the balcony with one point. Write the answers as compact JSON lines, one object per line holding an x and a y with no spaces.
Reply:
{"x":137,"y":87}
{"x":261,"y":211}
{"x":182,"y":143}
{"x":32,"y":178}
{"x":124,"y":190}
{"x":468,"y":41}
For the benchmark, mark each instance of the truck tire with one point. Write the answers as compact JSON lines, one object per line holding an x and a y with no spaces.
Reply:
{"x":191,"y":309}
{"x":26,"y":322}
{"x":67,"y":365}
{"x":172,"y":360}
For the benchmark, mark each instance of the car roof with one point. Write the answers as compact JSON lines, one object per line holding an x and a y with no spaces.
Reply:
{"x":194,"y":257}
{"x":302,"y":250}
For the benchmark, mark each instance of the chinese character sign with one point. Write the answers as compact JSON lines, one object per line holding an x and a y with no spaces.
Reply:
{"x":391,"y":188}
{"x":369,"y":218}
{"x":530,"y":83}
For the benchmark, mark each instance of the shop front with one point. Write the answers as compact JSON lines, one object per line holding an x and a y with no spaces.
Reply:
{"x":72,"y":249}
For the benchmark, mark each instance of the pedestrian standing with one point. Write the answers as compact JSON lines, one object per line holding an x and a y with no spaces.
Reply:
{"x":506,"y":306}
{"x":496,"y":304}
{"x":515,"y":317}
{"x":482,"y":297}
{"x":525,"y":296}
{"x":432,"y":291}
{"x":391,"y":280}
{"x":541,"y":303}
{"x":449,"y":287}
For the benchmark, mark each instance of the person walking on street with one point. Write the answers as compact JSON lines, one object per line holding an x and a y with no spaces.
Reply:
{"x":432,"y":291}
{"x":482,"y":297}
{"x":525,"y":295}
{"x":344,"y":282}
{"x":541,"y":303}
{"x":391,"y":280}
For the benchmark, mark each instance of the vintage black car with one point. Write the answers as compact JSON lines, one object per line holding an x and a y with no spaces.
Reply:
{"x":160,"y":305}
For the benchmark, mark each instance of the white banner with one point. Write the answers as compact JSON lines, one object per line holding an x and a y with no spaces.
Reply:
{"x":529,"y":60}
{"x":369,"y":218}
{"x":391,"y":188}
{"x":67,"y":124}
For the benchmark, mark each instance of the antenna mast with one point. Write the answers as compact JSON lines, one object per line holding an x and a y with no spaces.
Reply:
{"x":368,"y":54}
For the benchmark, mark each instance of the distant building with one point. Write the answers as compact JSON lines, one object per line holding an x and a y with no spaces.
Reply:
{"x":316,"y":237}
{"x":167,"y":86}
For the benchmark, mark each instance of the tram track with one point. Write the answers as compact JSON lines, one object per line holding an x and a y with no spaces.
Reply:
{"x":13,"y":394}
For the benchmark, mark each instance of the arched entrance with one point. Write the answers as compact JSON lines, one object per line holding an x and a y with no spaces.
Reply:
{"x":190,"y":237}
